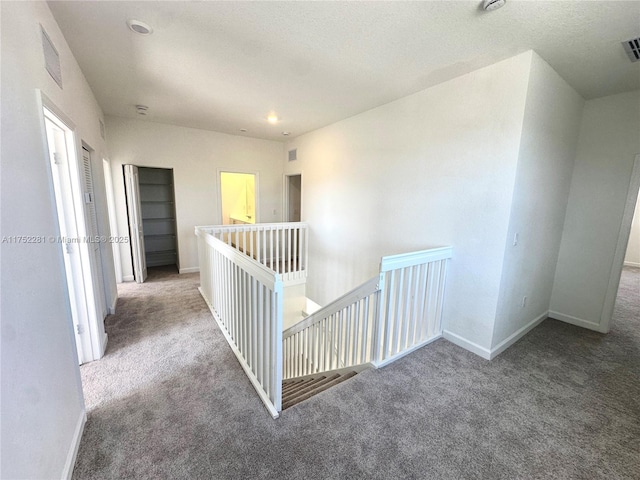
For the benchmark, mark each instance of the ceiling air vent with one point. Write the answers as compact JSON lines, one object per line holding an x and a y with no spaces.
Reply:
{"x":632,"y":47}
{"x":293,"y":154}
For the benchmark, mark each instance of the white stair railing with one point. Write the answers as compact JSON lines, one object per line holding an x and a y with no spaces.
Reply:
{"x":242,"y":272}
{"x":281,"y":247}
{"x":384,"y":319}
{"x":246,"y":300}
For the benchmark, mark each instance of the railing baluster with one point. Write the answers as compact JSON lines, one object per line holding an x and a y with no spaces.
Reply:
{"x":289,"y":250}
{"x":424,"y":331}
{"x":365,"y":330}
{"x":357,"y":334}
{"x":296,"y":233}
{"x":388,"y":319}
{"x":282,"y":254}
{"x":251,"y":243}
{"x":327,"y":343}
{"x":277,"y":249}
{"x":260,"y":332}
{"x":271,"y":250}
{"x":407,"y":301}
{"x":397,"y":320}
{"x":420,"y":315}
{"x":440,"y":299}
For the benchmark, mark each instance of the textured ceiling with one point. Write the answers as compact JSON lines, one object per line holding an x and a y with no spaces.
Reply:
{"x":225,"y":65}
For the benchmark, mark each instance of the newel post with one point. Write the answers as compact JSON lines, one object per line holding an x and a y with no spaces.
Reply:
{"x":378,"y":323}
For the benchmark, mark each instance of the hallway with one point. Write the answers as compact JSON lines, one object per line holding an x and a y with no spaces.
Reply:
{"x":169,"y":400}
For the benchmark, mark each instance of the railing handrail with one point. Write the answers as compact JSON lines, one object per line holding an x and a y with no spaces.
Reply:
{"x":402,"y":260}
{"x":266,"y":275}
{"x":365,"y":289}
{"x":253,"y":226}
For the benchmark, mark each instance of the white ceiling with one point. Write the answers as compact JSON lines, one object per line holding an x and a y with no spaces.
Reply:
{"x":224,"y":66}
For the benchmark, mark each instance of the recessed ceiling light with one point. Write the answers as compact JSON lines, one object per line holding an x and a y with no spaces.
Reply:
{"x":139,"y":27}
{"x":272,"y":118}
{"x":243,"y":130}
{"x":286,"y":134}
{"x":493,"y":4}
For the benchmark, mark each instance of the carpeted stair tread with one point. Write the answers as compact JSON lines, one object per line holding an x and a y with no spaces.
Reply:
{"x":305,"y":385}
{"x":295,"y":384}
{"x":286,"y":387}
{"x":309,"y":387}
{"x":310,"y":390}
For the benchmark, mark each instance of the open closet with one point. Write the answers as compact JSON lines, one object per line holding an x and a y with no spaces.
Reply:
{"x":152,"y":217}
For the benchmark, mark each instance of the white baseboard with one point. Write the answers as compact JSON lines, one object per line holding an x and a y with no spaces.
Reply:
{"x":75,"y":445}
{"x":112,"y":308}
{"x":631,"y":264}
{"x":467,"y":345}
{"x":105,"y":340}
{"x":517,"y":335}
{"x":579,"y":322}
{"x":189,"y":270}
{"x":127,"y":278}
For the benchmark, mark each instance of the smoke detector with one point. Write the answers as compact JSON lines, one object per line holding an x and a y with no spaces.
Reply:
{"x":139,"y":27}
{"x":493,"y":4}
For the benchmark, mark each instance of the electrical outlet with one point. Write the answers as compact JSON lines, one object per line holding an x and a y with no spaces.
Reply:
{"x":516,"y":237}
{"x":275,"y":212}
{"x":524,"y":301}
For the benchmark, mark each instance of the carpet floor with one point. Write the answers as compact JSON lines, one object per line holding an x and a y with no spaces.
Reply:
{"x":169,"y":400}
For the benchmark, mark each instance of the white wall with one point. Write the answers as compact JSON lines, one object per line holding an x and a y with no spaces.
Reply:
{"x":609,"y":140}
{"x":545,"y":164}
{"x":434,"y":168}
{"x":42,"y":402}
{"x":195,"y":156}
{"x":632,"y":256}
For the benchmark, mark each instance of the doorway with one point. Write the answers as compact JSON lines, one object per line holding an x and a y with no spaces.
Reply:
{"x":238,"y":198}
{"x":293,"y":198}
{"x":77,"y":220}
{"x":150,"y":197}
{"x":624,"y":236}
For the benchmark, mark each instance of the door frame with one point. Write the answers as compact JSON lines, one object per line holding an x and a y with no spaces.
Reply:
{"x":285,"y":195}
{"x":96,"y":258}
{"x":113,"y":221}
{"x":219,"y":173}
{"x":86,"y":324}
{"x":134,"y":217}
{"x":621,"y":247}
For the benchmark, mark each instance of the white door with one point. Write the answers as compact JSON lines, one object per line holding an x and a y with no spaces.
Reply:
{"x":94,"y":240}
{"x":60,"y":146}
{"x":132,"y":187}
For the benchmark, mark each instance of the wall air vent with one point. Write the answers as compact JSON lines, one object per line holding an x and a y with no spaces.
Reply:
{"x":51,"y":58}
{"x":632,"y":47}
{"x":293,"y":154}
